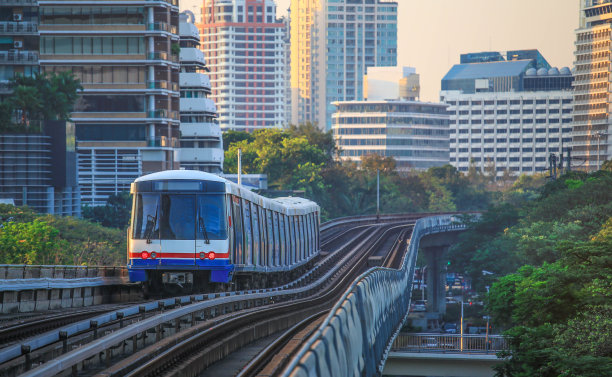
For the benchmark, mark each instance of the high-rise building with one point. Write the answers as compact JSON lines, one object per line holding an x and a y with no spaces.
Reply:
{"x":19,"y":40}
{"x":201,"y":140}
{"x":510,"y":115}
{"x":126,"y":55}
{"x":391,"y":83}
{"x":592,"y":127}
{"x":242,"y":41}
{"x":332,"y":45}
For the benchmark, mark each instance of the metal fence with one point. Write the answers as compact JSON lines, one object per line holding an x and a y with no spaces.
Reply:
{"x":468,"y":343}
{"x":355,"y":339}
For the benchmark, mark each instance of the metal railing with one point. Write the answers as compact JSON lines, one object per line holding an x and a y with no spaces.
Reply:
{"x":19,"y":56}
{"x":18,"y":27}
{"x":18,"y":271}
{"x":358,"y":333}
{"x":423,"y":342}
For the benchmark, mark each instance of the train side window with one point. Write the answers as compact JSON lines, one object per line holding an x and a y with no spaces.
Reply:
{"x":276,"y":239}
{"x":270,"y":238}
{"x":301,"y":235}
{"x":248,"y":233}
{"x":283,"y":240}
{"x":309,"y":234}
{"x":256,"y":234}
{"x":178,"y":217}
{"x":291,"y":252}
{"x":264,"y":235}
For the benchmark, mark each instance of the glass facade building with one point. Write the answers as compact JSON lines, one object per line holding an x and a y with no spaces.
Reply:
{"x":333,"y":42}
{"x":125,"y":53}
{"x":414,"y":133}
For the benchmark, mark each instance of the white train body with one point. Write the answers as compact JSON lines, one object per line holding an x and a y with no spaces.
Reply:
{"x":190,"y":225}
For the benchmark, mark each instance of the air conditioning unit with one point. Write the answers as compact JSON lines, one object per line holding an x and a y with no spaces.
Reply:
{"x":17,"y":17}
{"x":18,"y":44}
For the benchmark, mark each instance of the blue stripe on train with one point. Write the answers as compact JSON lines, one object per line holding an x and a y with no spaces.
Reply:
{"x":220,"y":270}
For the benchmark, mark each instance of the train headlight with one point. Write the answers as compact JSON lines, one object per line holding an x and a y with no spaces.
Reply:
{"x":211,"y":255}
{"x":202,"y":255}
{"x":153,"y":255}
{"x":144,"y":255}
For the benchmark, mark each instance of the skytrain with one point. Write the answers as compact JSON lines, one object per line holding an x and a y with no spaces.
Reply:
{"x":192,"y":229}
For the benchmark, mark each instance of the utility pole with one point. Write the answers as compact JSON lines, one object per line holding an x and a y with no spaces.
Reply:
{"x":239,"y":166}
{"x":377,"y":194}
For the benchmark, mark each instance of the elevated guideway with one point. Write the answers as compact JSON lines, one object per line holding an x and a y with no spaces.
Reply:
{"x":356,"y":337}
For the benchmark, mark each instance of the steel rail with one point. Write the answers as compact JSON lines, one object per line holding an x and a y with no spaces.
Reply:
{"x":184,"y":350}
{"x":93,"y":348}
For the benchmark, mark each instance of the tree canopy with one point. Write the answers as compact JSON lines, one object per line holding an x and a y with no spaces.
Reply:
{"x":550,"y":248}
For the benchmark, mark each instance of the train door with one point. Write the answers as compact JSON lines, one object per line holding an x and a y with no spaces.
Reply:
{"x":211,"y":229}
{"x":263,"y":236}
{"x":237,"y":228}
{"x":177,"y":228}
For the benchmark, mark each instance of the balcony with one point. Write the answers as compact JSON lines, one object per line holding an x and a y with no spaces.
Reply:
{"x":19,"y":2}
{"x":162,"y":84}
{"x":163,"y":141}
{"x":198,"y":105}
{"x":194,"y":80}
{"x":18,"y":27}
{"x":162,"y":26}
{"x":171,"y":2}
{"x":157,"y":55}
{"x":192,"y":55}
{"x":18,"y":57}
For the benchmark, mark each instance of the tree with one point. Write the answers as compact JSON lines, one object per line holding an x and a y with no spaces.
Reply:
{"x":27,"y":102}
{"x":115,"y":213}
{"x":231,"y":137}
{"x":373,"y":162}
{"x":29,"y":243}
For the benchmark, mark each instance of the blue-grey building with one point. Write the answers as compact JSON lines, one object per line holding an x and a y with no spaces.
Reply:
{"x":333,"y":42}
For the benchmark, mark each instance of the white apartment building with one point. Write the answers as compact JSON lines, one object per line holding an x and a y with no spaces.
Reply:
{"x":244,"y":46}
{"x":414,"y":133}
{"x":201,"y":139}
{"x":592,"y":127}
{"x":516,"y":131}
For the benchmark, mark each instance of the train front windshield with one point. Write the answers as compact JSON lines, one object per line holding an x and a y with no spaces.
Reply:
{"x":179,"y":216}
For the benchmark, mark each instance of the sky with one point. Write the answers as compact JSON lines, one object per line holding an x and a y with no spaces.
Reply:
{"x":433,"y":33}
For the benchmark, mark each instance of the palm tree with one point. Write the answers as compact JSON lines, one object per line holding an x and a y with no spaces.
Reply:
{"x":26,"y":101}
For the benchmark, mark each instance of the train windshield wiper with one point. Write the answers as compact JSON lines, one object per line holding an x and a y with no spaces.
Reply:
{"x":150,"y":227}
{"x":202,"y":227}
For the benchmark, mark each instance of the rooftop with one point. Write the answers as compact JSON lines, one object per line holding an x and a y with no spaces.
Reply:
{"x":487,"y":70}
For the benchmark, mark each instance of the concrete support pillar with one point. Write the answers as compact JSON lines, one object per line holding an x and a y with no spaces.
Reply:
{"x":436,"y":279}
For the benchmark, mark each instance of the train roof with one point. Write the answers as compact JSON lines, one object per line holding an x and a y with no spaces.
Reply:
{"x":287,"y":205}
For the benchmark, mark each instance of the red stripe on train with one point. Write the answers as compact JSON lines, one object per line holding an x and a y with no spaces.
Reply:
{"x":181,"y":255}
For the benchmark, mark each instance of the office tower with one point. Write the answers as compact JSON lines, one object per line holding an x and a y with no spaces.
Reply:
{"x":19,"y":41}
{"x":592,"y":128}
{"x":125,"y":53}
{"x":243,"y":44}
{"x":332,"y":45}
{"x":201,"y":140}
{"x":509,"y":114}
{"x":392,"y":123}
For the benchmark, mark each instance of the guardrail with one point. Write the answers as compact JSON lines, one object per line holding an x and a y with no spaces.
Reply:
{"x":362,"y":326}
{"x":23,"y":271}
{"x":423,"y":342}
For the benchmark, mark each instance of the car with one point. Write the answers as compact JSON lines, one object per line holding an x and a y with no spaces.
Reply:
{"x":450,"y":328}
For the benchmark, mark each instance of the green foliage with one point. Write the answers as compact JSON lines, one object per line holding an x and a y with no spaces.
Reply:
{"x":30,"y":238}
{"x":37,"y":99}
{"x":115,"y":214}
{"x":556,"y":296}
{"x":304,"y":158}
